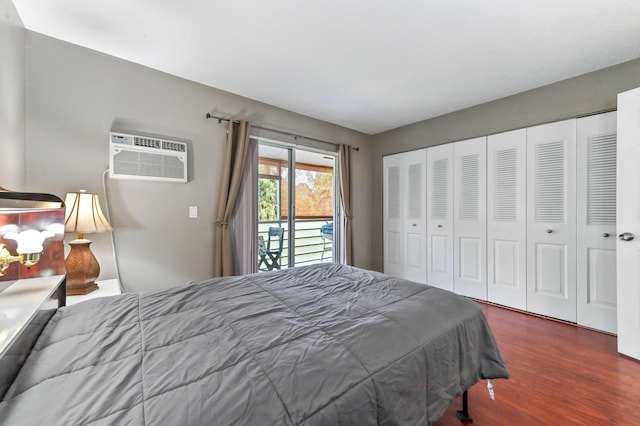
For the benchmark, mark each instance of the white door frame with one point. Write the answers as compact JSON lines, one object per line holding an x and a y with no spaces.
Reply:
{"x":628,"y":221}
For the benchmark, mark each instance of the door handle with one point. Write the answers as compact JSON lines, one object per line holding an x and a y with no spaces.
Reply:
{"x":606,"y":234}
{"x":626,"y":236}
{"x":549,"y":230}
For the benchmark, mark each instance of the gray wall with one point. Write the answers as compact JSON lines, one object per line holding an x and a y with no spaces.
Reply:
{"x":589,"y":93}
{"x":75,"y":96}
{"x":12,"y":99}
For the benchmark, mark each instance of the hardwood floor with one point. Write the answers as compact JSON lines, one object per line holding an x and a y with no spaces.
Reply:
{"x":560,"y":375}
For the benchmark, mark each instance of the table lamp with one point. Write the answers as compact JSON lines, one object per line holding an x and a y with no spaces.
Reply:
{"x":83,"y":215}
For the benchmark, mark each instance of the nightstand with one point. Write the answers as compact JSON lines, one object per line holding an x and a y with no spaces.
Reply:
{"x":105,"y":288}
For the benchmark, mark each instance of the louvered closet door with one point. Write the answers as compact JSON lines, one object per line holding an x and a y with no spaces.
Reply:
{"x":507,"y":218}
{"x":551,"y":220}
{"x":393,"y":214}
{"x":596,"y":239}
{"x":415,"y":221}
{"x":470,"y":218}
{"x":440,"y":216}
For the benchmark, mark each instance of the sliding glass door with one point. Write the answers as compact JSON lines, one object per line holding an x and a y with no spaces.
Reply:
{"x":296,"y":206}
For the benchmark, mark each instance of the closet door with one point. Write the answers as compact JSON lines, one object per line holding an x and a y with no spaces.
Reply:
{"x":440,"y":216}
{"x":551,"y":220}
{"x":415,"y":215}
{"x":393,"y":214}
{"x":405,"y":179}
{"x":596,"y":224}
{"x":507,"y":219}
{"x":470,"y":218}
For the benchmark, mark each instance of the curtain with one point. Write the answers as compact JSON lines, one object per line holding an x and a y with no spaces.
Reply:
{"x":233,"y":171}
{"x":243,"y":222}
{"x":345,"y":193}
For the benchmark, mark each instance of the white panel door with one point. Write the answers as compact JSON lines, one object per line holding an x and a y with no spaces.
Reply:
{"x":404,"y":229}
{"x":628,"y":223}
{"x":470,"y":218}
{"x":393,"y":214}
{"x":551,"y":220}
{"x":507,"y":219}
{"x":414,"y":183}
{"x":596,"y":221}
{"x":440,"y":216}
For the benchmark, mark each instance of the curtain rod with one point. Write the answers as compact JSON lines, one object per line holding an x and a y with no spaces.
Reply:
{"x":295,"y":137}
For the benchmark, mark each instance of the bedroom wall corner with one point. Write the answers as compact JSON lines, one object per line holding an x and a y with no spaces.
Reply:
{"x":76,"y":96}
{"x":362,"y":190}
{"x":12,"y":99}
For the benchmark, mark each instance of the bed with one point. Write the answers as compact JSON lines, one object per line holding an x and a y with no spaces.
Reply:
{"x":323,"y":344}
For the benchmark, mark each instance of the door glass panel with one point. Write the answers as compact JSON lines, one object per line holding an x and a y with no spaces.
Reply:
{"x":272,"y":208}
{"x":311,"y":228}
{"x":314,"y":200}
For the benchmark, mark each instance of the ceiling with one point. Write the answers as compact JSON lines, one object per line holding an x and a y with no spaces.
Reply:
{"x":368,"y":65}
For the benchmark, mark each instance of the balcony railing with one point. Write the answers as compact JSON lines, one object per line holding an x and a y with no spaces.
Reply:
{"x":310,"y":246}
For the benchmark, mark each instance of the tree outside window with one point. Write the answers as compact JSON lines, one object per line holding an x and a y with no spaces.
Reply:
{"x":314,"y":190}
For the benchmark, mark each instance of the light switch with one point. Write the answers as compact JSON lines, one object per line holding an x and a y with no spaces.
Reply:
{"x":193,"y":212}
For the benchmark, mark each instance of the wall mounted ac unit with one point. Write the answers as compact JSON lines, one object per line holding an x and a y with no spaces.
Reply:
{"x":147,"y":158}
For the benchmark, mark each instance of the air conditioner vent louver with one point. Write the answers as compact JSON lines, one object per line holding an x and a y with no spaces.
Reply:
{"x":147,"y":142}
{"x":173,"y":146}
{"x":147,"y":158}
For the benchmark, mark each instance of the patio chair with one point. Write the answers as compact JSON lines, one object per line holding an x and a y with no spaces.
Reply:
{"x":271,"y":252}
{"x":326,"y":232}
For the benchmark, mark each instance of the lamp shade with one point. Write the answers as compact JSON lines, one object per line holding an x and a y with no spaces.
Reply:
{"x":84,"y":214}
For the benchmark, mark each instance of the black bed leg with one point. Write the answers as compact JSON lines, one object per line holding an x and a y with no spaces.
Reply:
{"x":463,"y":415}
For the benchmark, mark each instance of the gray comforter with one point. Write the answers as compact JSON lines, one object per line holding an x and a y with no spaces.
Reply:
{"x":317,"y":345}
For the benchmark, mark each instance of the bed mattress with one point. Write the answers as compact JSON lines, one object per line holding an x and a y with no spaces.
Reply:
{"x":319,"y":345}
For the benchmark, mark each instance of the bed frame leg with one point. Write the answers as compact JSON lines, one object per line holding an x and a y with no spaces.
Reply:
{"x":463,"y":415}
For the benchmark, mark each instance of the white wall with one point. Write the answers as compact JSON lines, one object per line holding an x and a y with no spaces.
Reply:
{"x":75,"y":96}
{"x":12,"y":99}
{"x":586,"y":94}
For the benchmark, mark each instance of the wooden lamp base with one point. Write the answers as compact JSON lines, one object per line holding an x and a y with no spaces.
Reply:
{"x":82,"y":268}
